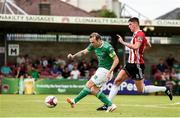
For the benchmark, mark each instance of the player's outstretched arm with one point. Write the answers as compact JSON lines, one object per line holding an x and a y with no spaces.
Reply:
{"x":129,"y":45}
{"x":78,"y":54}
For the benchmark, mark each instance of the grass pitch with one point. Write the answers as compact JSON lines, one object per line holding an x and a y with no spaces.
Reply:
{"x":128,"y":106}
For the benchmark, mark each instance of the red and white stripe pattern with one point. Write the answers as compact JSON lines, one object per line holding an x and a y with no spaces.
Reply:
{"x":136,"y":56}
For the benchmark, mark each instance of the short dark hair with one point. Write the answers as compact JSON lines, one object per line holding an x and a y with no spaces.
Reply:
{"x":96,"y":35}
{"x":134,"y":19}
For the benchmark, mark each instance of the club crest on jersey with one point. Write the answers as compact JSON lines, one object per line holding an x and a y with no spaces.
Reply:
{"x":139,"y":38}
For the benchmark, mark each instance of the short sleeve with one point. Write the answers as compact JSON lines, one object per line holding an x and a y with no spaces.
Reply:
{"x":139,"y":37}
{"x":111,"y":52}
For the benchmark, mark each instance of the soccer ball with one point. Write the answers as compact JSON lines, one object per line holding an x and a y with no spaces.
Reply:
{"x":51,"y":101}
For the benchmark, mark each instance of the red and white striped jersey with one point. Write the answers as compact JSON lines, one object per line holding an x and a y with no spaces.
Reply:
{"x":136,"y":56}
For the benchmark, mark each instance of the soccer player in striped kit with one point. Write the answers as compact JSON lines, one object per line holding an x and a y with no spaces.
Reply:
{"x":135,"y":66}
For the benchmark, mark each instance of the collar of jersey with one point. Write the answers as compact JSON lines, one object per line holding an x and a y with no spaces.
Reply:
{"x":137,"y":31}
{"x":101,"y":45}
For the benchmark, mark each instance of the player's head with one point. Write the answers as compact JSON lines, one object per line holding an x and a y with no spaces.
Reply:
{"x":95,"y":39}
{"x":133,"y":24}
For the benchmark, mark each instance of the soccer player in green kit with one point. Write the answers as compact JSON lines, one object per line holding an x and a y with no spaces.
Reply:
{"x":107,"y":61}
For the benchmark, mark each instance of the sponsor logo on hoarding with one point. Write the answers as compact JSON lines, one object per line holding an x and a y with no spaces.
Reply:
{"x":123,"y":86}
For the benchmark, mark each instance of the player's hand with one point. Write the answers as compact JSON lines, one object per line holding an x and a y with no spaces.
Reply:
{"x":108,"y":76}
{"x":120,"y":38}
{"x":70,"y":56}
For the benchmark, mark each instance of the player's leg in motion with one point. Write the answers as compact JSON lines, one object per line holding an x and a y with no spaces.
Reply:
{"x":84,"y":92}
{"x":101,"y":96}
{"x":99,"y":80}
{"x":139,"y":82}
{"x":91,"y":88}
{"x":122,"y":76}
{"x":151,"y":88}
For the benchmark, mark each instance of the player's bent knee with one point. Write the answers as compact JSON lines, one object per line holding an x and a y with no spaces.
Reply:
{"x":117,"y":82}
{"x":94,"y":91}
{"x":140,"y":90}
{"x":89,"y":84}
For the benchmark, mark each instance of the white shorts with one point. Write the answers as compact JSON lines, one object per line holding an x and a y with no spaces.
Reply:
{"x":99,"y":78}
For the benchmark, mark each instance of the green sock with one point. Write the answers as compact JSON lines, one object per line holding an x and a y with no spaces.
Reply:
{"x":103,"y":98}
{"x":82,"y":94}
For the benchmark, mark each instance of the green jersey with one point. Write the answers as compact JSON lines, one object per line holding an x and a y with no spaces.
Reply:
{"x":105,"y":54}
